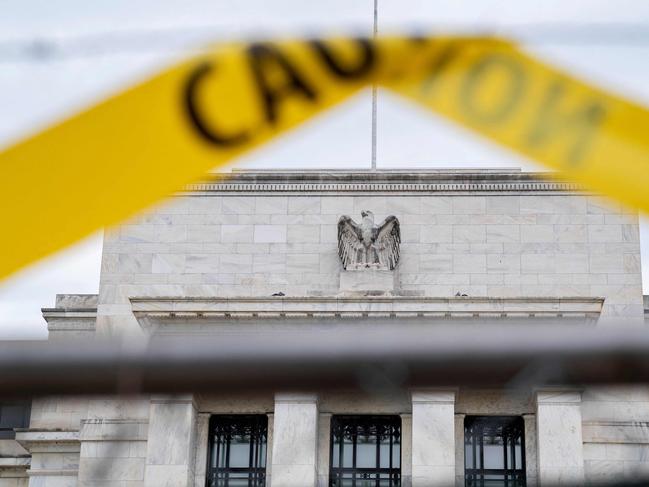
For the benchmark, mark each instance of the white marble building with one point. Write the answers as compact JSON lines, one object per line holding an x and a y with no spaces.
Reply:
{"x":209,"y":262}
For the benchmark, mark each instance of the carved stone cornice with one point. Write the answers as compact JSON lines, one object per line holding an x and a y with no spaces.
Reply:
{"x":300,"y":307}
{"x":403,"y":182}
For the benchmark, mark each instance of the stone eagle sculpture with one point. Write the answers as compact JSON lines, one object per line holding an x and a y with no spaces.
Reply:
{"x":368,"y":245}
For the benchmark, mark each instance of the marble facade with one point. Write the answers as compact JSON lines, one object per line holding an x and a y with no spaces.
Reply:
{"x":474,"y":244}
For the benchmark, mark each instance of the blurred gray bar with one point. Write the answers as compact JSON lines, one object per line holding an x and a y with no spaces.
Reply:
{"x":459,"y":354}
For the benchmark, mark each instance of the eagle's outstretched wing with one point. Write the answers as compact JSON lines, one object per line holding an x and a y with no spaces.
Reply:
{"x":387,"y":238}
{"x":349,"y":241}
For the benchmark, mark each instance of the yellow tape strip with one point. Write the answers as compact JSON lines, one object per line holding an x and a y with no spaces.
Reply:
{"x":120,"y":156}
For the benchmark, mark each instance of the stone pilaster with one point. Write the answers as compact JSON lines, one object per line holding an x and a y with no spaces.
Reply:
{"x":559,"y":437}
{"x":459,"y":449}
{"x":170,"y":446}
{"x":433,"y":438}
{"x":55,"y":456}
{"x":531,"y":462}
{"x":295,"y":436}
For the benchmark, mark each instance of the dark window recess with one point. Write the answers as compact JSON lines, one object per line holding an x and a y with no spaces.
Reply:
{"x":237,"y":451}
{"x":365,"y":451}
{"x":13,"y":414}
{"x":494,"y":451}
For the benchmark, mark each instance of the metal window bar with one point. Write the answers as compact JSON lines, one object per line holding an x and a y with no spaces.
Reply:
{"x":511,"y":430}
{"x":223,"y":428}
{"x":371,"y":426}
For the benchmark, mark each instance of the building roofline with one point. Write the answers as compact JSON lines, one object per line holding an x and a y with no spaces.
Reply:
{"x":447,"y":181}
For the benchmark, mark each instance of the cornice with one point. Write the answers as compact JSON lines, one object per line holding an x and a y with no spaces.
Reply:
{"x":300,"y":307}
{"x":50,"y":440}
{"x":384,"y":182}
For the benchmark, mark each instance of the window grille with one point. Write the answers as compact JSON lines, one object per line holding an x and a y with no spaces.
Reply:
{"x":237,"y":451}
{"x":365,"y":451}
{"x":494,"y":451}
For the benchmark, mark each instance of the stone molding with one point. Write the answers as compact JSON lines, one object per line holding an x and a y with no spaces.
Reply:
{"x":14,"y":462}
{"x":48,"y":440}
{"x":113,"y":430}
{"x":295,"y":398}
{"x":620,"y":432}
{"x":433,"y":396}
{"x":51,"y":472}
{"x":377,"y":183}
{"x":559,"y":397}
{"x":366,"y":306}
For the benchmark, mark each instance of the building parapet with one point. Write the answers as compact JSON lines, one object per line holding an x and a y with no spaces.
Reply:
{"x":473,"y":182}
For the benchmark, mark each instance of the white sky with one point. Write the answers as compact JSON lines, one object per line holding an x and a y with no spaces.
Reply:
{"x":57,"y":57}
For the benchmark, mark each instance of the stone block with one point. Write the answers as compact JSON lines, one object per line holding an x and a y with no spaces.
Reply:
{"x":505,"y":263}
{"x":631,"y":263}
{"x":303,"y":205}
{"x":171,"y":233}
{"x":436,"y":233}
{"x":168,"y":264}
{"x":503,"y":233}
{"x":599,"y":205}
{"x":201,"y":263}
{"x":631,"y":233}
{"x":134,"y":263}
{"x":235,"y":264}
{"x":469,"y":205}
{"x":337,"y":205}
{"x":304,"y":233}
{"x":271,"y":205}
{"x":437,"y":263}
{"x":238,"y":205}
{"x":571,"y":263}
{"x":469,"y":234}
{"x":469,"y":264}
{"x":302,"y":263}
{"x":376,"y":204}
{"x":605,"y":233}
{"x":570,"y":233}
{"x":537,"y":233}
{"x":138,"y":233}
{"x":367,"y":280}
{"x":203,"y":233}
{"x":237,"y":233}
{"x":269,"y":263}
{"x":329,"y":234}
{"x":537,"y":263}
{"x":270,"y":233}
{"x":330,"y":264}
{"x":436,"y":205}
{"x":503,"y":205}
{"x":606,"y":263}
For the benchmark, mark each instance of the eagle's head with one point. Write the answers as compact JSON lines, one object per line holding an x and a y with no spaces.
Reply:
{"x":367,"y":214}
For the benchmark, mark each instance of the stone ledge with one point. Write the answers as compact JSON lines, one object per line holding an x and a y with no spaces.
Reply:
{"x":113,"y":429}
{"x":41,"y":440}
{"x":635,"y":432}
{"x":50,"y":472}
{"x":366,"y":306}
{"x":14,"y":462}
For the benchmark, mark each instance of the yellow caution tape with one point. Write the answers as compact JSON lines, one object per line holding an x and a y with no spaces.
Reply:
{"x":120,"y":156}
